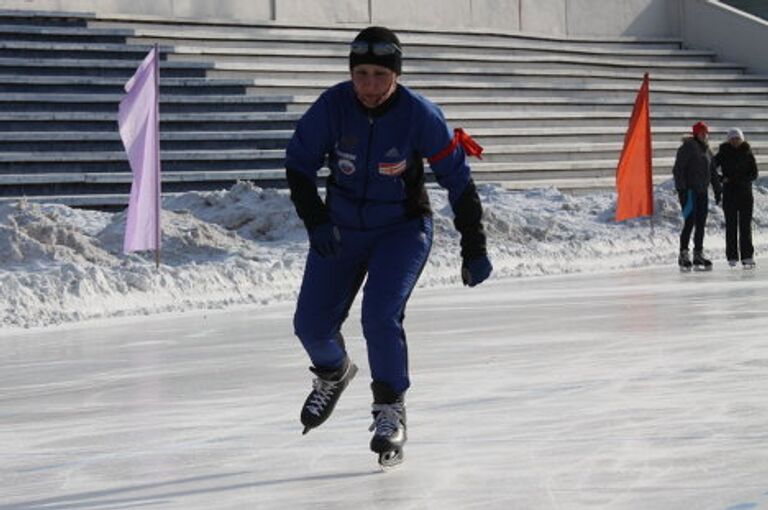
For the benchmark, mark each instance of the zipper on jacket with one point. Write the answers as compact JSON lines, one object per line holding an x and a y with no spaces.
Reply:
{"x":367,"y":172}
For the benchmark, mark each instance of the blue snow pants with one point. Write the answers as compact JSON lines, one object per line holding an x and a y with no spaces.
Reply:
{"x":392,"y":258}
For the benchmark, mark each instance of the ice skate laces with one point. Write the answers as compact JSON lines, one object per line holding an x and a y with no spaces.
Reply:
{"x":386,"y":419}
{"x":322,"y":394}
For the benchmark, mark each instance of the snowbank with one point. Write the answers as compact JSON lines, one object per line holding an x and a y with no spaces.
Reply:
{"x":247,"y":246}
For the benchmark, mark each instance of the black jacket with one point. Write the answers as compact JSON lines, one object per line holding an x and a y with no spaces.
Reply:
{"x":693,"y":169}
{"x":738,"y":167}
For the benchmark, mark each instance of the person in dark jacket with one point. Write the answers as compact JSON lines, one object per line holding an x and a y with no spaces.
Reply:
{"x":693,"y":174}
{"x":375,"y":224}
{"x":739,"y":169}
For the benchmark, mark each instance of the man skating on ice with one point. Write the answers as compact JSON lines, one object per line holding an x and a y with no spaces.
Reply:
{"x":375,"y":226}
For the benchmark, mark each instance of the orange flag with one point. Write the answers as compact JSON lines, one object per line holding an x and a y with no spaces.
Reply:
{"x":634,"y":183}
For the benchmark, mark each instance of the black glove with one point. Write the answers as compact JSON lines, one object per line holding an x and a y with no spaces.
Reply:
{"x":475,"y":271}
{"x":325,"y":239}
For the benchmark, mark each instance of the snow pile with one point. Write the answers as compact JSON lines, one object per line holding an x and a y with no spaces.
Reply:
{"x":247,"y":246}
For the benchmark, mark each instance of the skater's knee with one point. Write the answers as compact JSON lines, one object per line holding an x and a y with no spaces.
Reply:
{"x":308,"y":326}
{"x":378,"y":322}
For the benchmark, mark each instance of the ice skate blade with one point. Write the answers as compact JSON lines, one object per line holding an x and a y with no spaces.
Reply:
{"x":685,"y":269}
{"x":390,"y":459}
{"x":702,"y":269}
{"x":306,"y":429}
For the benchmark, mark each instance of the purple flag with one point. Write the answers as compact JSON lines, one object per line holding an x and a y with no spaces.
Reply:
{"x":138,"y":119}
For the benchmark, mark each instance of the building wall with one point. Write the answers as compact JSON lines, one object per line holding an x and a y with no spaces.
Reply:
{"x":734,"y":35}
{"x":548,"y":17}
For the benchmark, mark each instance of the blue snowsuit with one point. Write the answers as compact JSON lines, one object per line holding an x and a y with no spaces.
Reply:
{"x":375,"y":197}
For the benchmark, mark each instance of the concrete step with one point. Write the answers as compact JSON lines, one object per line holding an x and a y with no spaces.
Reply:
{"x":61,"y":141}
{"x":331,"y":73}
{"x":236,"y":121}
{"x":116,"y":161}
{"x":17,"y":32}
{"x":102,"y":68}
{"x":509,"y":171}
{"x":703,"y":106}
{"x":410,"y":40}
{"x":523,"y":88}
{"x":83,"y":51}
{"x":52,"y":103}
{"x":447,"y":73}
{"x":56,"y":64}
{"x":274,"y":30}
{"x":98,"y":85}
{"x":44,"y":18}
{"x":533,"y":134}
{"x":455,"y":106}
{"x":336,"y":55}
{"x":203,"y":159}
{"x":427,"y":48}
{"x":485,"y":61}
{"x":89,"y":121}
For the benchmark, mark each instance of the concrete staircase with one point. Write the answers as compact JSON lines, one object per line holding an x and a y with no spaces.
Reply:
{"x":548,"y":111}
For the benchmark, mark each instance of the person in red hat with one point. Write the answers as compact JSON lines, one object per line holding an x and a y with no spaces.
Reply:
{"x":693,"y":173}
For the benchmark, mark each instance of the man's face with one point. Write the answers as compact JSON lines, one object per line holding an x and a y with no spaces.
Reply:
{"x":703,"y":136}
{"x":373,"y":84}
{"x":735,"y":141}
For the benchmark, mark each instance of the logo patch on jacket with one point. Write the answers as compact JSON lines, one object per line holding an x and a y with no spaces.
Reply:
{"x":346,"y":161}
{"x":392,"y":169}
{"x":347,"y":167}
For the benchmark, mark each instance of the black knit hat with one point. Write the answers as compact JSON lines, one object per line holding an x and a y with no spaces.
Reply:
{"x":380,"y":55}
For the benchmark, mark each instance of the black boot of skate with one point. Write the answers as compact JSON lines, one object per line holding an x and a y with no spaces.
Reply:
{"x":700,"y":263}
{"x":684,"y":261}
{"x":327,"y":387}
{"x":389,"y":424}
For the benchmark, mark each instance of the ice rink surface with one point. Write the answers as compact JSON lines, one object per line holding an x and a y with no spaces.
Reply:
{"x":643,"y":389}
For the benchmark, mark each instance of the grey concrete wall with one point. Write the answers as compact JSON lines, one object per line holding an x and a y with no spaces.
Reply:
{"x":734,"y":35}
{"x":655,"y":18}
{"x":246,"y":10}
{"x":547,"y":17}
{"x":330,"y":12}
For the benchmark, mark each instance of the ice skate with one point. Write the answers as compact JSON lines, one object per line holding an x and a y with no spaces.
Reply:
{"x":389,"y":425}
{"x":327,"y":387}
{"x":748,"y":263}
{"x":700,"y":263}
{"x":684,"y":261}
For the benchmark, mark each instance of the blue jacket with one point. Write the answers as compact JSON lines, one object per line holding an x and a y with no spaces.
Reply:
{"x":376,"y":163}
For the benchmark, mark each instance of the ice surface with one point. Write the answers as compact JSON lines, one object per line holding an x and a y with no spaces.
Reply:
{"x":635,"y":389}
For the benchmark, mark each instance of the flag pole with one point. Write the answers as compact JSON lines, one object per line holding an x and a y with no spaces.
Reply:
{"x":157,"y":154}
{"x":647,"y":77}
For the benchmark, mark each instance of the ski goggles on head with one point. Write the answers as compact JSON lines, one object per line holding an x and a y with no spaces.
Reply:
{"x":380,"y":49}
